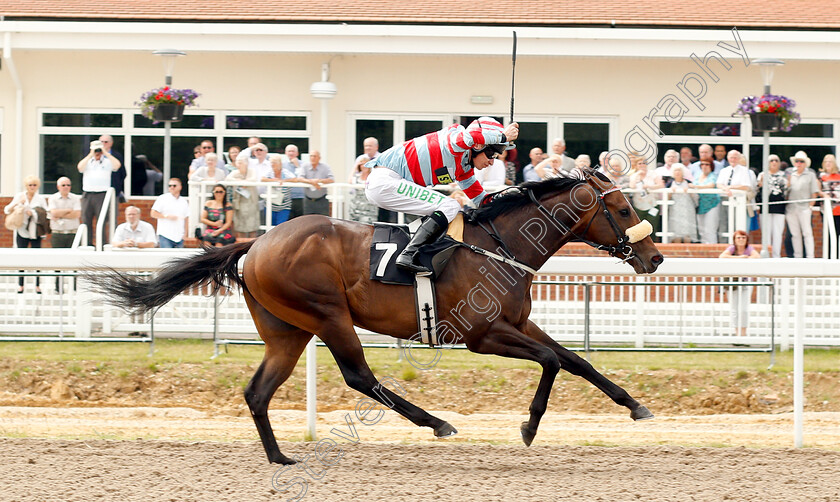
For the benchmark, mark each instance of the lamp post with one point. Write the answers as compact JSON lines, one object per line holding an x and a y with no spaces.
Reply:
{"x":767,"y":68}
{"x":324,"y":90}
{"x":169,"y":56}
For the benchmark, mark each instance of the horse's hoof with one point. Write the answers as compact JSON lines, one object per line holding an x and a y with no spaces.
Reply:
{"x":445,"y":431}
{"x":282,"y":460}
{"x":527,"y":435}
{"x":641,"y":413}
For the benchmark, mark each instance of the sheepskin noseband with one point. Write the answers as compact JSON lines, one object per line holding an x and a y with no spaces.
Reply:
{"x":639,"y":232}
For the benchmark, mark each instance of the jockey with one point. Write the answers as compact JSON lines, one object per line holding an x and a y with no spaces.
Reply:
{"x":399,"y":176}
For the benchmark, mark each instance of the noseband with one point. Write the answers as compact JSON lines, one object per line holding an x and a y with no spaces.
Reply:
{"x":620,"y":250}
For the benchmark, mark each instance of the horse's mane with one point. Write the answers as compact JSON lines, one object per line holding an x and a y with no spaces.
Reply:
{"x":517,"y":196}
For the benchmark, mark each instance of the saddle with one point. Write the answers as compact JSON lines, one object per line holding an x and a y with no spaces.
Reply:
{"x":390,"y":239}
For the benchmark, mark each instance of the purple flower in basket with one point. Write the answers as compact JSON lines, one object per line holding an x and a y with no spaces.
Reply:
{"x":165,"y":96}
{"x":781,"y":106}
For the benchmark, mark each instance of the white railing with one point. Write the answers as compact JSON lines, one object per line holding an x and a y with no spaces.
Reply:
{"x":109,"y":212}
{"x":675,"y":306}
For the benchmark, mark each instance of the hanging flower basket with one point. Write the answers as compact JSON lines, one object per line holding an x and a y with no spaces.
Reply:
{"x":166,"y":104}
{"x":170,"y":112}
{"x":765,"y":122}
{"x":769,"y":112}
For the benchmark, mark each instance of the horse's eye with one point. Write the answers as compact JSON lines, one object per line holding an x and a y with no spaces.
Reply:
{"x":625,"y":213}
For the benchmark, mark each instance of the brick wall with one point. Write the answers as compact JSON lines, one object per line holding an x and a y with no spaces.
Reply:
{"x":572,"y":249}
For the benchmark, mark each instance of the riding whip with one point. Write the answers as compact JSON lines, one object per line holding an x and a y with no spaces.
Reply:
{"x":512,"y":75}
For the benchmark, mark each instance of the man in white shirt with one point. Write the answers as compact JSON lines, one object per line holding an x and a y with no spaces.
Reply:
{"x":558,"y":147}
{"x":134,"y":233}
{"x":206,"y":147}
{"x":65,"y":210}
{"x":706,"y":153}
{"x":96,"y":169}
{"x":172,"y":212}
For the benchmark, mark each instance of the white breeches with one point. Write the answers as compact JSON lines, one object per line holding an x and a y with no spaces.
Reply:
{"x":389,"y":190}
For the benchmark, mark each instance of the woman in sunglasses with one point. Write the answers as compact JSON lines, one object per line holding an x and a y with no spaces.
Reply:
{"x":217,"y":217}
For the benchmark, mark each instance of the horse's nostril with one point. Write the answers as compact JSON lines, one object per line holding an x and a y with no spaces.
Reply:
{"x":657,"y":259}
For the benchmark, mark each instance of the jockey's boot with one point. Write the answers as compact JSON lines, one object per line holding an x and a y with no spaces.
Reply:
{"x":430,"y":230}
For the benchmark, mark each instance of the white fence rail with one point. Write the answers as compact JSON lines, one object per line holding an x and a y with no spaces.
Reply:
{"x":676,"y":306}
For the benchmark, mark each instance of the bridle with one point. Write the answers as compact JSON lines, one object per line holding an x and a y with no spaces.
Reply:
{"x":621,"y":250}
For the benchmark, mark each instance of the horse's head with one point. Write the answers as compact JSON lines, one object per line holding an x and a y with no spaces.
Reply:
{"x":611,"y":224}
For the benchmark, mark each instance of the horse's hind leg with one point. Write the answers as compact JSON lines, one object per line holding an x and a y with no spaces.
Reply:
{"x":283,"y":345}
{"x":347,"y":351}
{"x":576,"y":365}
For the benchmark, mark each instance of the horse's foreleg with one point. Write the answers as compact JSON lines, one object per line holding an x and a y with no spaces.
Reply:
{"x":283,"y":345}
{"x":506,"y":341}
{"x":576,"y":365}
{"x":347,"y":351}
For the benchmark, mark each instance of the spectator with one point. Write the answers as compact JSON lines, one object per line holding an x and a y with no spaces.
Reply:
{"x":831,"y":187}
{"x":361,"y":209}
{"x":720,"y":155}
{"x":134,"y":233}
{"x":196,"y":152}
{"x":803,"y":185}
{"x":682,"y":218}
{"x":671,"y":159}
{"x":645,"y":180}
{"x":777,"y":184}
{"x":708,"y":205}
{"x":117,"y":177}
{"x":558,"y":147}
{"x":706,"y":153}
{"x":740,"y":296}
{"x":232,"y":153}
{"x":317,"y":174}
{"x":65,"y":210}
{"x":139,"y":177}
{"x":204,"y":148}
{"x":254,"y":141}
{"x":582,"y":161}
{"x":210,"y":170}
{"x":529,"y":172}
{"x":686,"y":156}
{"x":736,"y":176}
{"x":217,"y":217}
{"x":246,"y":218}
{"x":292,"y":163}
{"x":172,"y":212}
{"x":552,"y":167}
{"x":27,"y":235}
{"x":493,"y":177}
{"x":618,"y":174}
{"x":96,"y":169}
{"x":280,"y":210}
{"x":153,"y":175}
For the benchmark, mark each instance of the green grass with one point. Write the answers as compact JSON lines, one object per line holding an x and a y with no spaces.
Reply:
{"x":115,"y":357}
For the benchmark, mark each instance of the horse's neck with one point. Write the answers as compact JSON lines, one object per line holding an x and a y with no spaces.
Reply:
{"x":528,"y":233}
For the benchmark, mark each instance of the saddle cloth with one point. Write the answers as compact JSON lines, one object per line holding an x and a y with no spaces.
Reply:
{"x":389,"y":240}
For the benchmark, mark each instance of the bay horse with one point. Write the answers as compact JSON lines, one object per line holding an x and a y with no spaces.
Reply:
{"x":311,"y":276}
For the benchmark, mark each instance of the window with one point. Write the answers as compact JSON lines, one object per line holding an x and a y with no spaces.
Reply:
{"x":65,"y":136}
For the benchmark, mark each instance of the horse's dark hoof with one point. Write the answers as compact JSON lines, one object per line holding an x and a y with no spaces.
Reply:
{"x":641,"y":413}
{"x":282,"y":460}
{"x":527,"y":435}
{"x":445,"y":431}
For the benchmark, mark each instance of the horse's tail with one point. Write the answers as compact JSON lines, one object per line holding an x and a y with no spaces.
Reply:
{"x":215,"y":266}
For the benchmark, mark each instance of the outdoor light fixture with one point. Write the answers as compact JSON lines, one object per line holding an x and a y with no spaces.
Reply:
{"x":169,"y":56}
{"x":767,"y":67}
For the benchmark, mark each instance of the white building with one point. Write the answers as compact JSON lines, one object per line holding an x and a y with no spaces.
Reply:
{"x":594,"y":74}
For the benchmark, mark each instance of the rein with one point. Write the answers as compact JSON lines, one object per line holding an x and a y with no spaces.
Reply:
{"x":621,"y":250}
